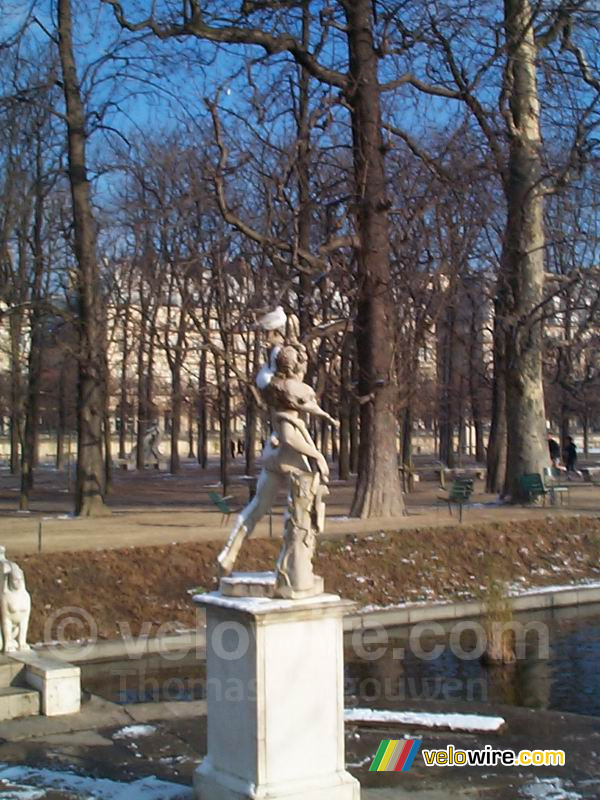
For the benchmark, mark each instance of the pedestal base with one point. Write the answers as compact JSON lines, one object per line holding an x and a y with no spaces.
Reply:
{"x":264,"y":584}
{"x":275,"y":700}
{"x":211,"y":784}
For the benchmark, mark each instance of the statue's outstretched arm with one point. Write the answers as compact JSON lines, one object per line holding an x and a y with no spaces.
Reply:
{"x":315,"y":410}
{"x":303,"y":399}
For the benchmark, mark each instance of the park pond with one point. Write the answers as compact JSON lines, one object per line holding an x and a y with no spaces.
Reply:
{"x":556,"y":668}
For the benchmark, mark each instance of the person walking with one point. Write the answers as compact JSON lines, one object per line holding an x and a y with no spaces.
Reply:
{"x":570,"y":456}
{"x":554,"y":450}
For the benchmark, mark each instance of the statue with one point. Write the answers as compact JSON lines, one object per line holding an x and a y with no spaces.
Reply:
{"x":150,"y":445}
{"x":291,"y":461}
{"x":15,"y":605}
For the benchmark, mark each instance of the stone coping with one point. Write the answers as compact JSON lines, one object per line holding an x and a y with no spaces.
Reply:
{"x":412,"y":613}
{"x":409,"y":614}
{"x":45,"y":664}
{"x":263,"y":606}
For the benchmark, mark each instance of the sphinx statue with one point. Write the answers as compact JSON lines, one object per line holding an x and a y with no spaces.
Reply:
{"x":15,"y":606}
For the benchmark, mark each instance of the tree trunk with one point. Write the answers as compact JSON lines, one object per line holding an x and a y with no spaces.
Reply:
{"x":32,"y":406}
{"x":89,"y":490}
{"x":15,"y":322}
{"x":303,"y":176}
{"x":152,"y":413}
{"x":62,"y":417}
{"x":190,"y":431}
{"x":142,"y":410}
{"x":251,"y":422}
{"x":523,"y":267}
{"x":225,"y":430}
{"x":476,"y":359}
{"x":123,"y":402}
{"x":496,"y":451}
{"x":407,"y":435}
{"x":345,"y":405}
{"x":354,"y":416}
{"x":325,"y":428}
{"x":378,"y":490}
{"x":175,"y":463}
{"x":108,"y":469}
{"x":202,"y":413}
{"x":446,"y":379}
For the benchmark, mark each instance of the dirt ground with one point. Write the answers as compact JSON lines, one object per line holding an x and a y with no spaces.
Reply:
{"x":139,"y":564}
{"x":156,"y":508}
{"x":124,"y":588}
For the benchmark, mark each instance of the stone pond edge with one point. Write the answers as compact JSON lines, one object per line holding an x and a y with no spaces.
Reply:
{"x":392,"y":616}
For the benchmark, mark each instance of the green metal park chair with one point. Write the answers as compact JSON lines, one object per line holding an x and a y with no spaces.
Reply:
{"x":459,"y":495}
{"x":555,"y":488}
{"x":223,"y":504}
{"x":532,"y":487}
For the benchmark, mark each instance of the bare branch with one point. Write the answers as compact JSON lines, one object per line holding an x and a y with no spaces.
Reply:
{"x":193,"y":25}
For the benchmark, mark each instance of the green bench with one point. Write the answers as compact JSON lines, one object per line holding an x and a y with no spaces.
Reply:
{"x":222,"y":503}
{"x":532,"y":487}
{"x":459,"y":495}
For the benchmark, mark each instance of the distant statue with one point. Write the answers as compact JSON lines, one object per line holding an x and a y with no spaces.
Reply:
{"x":15,"y":605}
{"x":290,"y":461}
{"x":151,"y":442}
{"x":150,"y":445}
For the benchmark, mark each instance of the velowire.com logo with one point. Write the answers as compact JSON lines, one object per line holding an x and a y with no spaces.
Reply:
{"x":395,"y":755}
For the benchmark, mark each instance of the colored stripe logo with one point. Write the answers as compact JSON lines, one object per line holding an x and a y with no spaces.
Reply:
{"x":395,"y":755}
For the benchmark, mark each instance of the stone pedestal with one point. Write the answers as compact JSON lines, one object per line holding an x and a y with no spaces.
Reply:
{"x":275,"y":672}
{"x":265,"y":584}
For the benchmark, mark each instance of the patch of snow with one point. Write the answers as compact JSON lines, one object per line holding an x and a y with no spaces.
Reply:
{"x":549,"y":789}
{"x":85,"y":787}
{"x":20,"y":792}
{"x":257,"y":604}
{"x":133,"y":731}
{"x":455,"y":722}
{"x":393,"y":606}
{"x":338,"y":519}
{"x":266,"y":578}
{"x":362,"y":763}
{"x":587,"y":584}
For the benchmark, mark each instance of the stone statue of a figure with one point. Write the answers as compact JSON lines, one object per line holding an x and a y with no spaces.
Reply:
{"x":151,"y":443}
{"x":15,"y":606}
{"x":291,"y":461}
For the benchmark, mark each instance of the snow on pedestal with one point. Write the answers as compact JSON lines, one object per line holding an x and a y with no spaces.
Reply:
{"x":275,"y":692}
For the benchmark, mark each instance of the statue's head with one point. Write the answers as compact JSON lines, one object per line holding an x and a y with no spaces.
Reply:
{"x":16,"y":578}
{"x":287,"y":361}
{"x":292,"y":361}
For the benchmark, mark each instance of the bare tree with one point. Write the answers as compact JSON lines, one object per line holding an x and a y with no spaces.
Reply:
{"x":378,"y":491}
{"x":89,"y":490}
